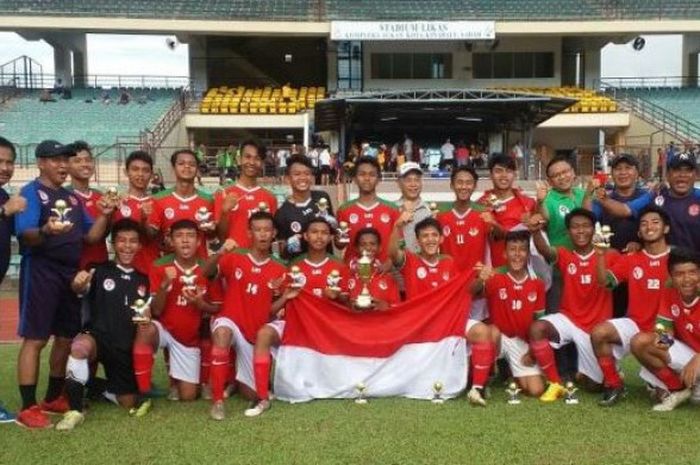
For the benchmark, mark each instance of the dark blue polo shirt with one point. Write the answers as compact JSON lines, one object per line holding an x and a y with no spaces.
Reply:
{"x":6,"y":228}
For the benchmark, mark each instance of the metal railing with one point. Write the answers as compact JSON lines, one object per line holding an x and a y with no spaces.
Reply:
{"x":40,"y":80}
{"x":649,"y":82}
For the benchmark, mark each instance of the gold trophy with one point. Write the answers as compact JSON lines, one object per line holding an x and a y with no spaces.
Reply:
{"x":322,"y":206}
{"x":665,"y":337}
{"x":513,"y":390}
{"x":434,"y":210}
{"x":601,"y":236}
{"x":437,"y":393}
{"x":297,"y":278}
{"x":203,"y":217}
{"x":262,"y":207}
{"x":365,"y":270}
{"x":333,"y":281}
{"x":570,"y":398}
{"x":112,"y":194}
{"x":141,"y":308}
{"x":361,"y":389}
{"x":343,"y":233}
{"x":60,"y":208}
{"x":188,"y":280}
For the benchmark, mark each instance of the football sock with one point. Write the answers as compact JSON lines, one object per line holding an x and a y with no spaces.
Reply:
{"x":55,"y":388}
{"x":610,"y":375}
{"x":483,"y":354}
{"x":669,"y":378}
{"x":545,"y":359}
{"x":205,"y":364}
{"x":143,"y":366}
{"x":261,"y":368}
{"x":219,"y":372}
{"x":75,"y":392}
{"x":28,"y":394}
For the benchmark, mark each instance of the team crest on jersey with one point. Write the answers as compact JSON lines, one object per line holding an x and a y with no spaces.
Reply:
{"x":141,"y":291}
{"x":675,"y":310}
{"x":694,"y":210}
{"x":446,"y":231}
{"x":238,"y":273}
{"x":689,"y":327}
{"x":354,"y":218}
{"x":532,"y":296}
{"x":44,"y":198}
{"x":73,"y":200}
{"x":563,"y":210}
{"x":385,"y":218}
{"x":383,"y":285}
{"x":169,"y":213}
{"x":572,"y":268}
{"x":421,"y":272}
{"x":637,"y":272}
{"x":296,"y":227}
{"x":125,"y":210}
{"x":351,"y":284}
{"x":109,"y":284}
{"x":502,"y":294}
{"x":659,"y":200}
{"x":473,"y":232}
{"x":446,"y":276}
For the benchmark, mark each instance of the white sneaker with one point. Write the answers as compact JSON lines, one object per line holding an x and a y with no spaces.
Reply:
{"x":206,"y":392}
{"x":475,"y":397}
{"x":258,"y":409}
{"x":218,"y":412}
{"x":70,"y":420}
{"x":173,"y":393}
{"x":695,"y":394}
{"x":673,"y":400}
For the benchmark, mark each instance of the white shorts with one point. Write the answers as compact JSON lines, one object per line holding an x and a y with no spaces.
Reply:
{"x":513,"y":349}
{"x":479,"y":310}
{"x":626,"y":328}
{"x":470,"y":324}
{"x":184,"y":361}
{"x":278,"y":325}
{"x":680,"y":354}
{"x":569,"y":332}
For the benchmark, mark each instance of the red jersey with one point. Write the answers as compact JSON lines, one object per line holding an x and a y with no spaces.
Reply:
{"x":248,"y":201}
{"x":181,"y":319}
{"x":583,"y":300}
{"x":420,"y":275}
{"x":316,"y":274}
{"x":646,"y":275}
{"x":131,"y":208}
{"x":683,"y":318}
{"x":508,"y":214}
{"x":92,"y":254}
{"x":381,"y":216}
{"x":513,"y":304}
{"x":248,"y":297}
{"x":465,"y":237}
{"x":169,"y":208}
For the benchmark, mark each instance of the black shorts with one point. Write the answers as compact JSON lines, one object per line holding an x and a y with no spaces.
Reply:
{"x":119,"y":367}
{"x":325,"y":169}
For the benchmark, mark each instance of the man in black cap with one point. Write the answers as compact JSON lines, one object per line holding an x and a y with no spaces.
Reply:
{"x":51,"y":231}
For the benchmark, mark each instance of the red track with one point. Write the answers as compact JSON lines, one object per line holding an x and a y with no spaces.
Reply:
{"x":9,"y":315}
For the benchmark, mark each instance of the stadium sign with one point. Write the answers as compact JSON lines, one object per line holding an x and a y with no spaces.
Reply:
{"x":413,"y":30}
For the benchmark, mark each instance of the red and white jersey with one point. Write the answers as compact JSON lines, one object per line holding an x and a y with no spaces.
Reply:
{"x":465,"y":237}
{"x":248,"y":297}
{"x":513,"y":304}
{"x":381,"y":215}
{"x":583,"y":300}
{"x":180,"y":318}
{"x":248,"y":201}
{"x":169,"y":208}
{"x":421,"y":275}
{"x":316,"y":274}
{"x":130,"y":208}
{"x":508,"y":214}
{"x":646,"y":276}
{"x":92,"y":254}
{"x":382,"y":286}
{"x":684,"y":318}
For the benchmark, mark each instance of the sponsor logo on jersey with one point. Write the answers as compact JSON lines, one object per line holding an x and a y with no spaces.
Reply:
{"x":637,"y":272}
{"x":502,"y":294}
{"x":125,"y":210}
{"x":169,"y":213}
{"x":44,"y":198}
{"x":659,"y":200}
{"x":109,"y":284}
{"x":446,"y":276}
{"x":572,"y":268}
{"x":296,"y":226}
{"x":446,"y":231}
{"x":351,"y":284}
{"x":353,"y":218}
{"x":421,"y":272}
{"x":694,"y":210}
{"x":689,"y":327}
{"x":675,"y":310}
{"x":532,"y":296}
{"x":383,"y":285}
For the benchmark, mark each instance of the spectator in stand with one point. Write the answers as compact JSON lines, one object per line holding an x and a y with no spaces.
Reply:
{"x":393,"y":158}
{"x":124,"y":97}
{"x":324,"y":160}
{"x":46,"y":96}
{"x":313,"y":155}
{"x":407,"y":148}
{"x":462,"y":154}
{"x":660,"y":163}
{"x":606,"y":158}
{"x":335,"y":168}
{"x":223,"y":161}
{"x":281,"y":162}
{"x":58,"y":87}
{"x":106,"y":97}
{"x":381,"y":156}
{"x":448,"y":155}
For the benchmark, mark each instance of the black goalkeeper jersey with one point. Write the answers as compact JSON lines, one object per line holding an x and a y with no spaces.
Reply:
{"x":291,"y":218}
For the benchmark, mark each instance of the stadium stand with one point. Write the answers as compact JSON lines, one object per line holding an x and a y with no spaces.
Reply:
{"x":589,"y":101}
{"x":26,"y":120}
{"x":273,"y":100}
{"x":683,"y":102}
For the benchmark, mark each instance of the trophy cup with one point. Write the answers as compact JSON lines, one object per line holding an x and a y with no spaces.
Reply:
{"x":112,"y":194}
{"x":361,"y":389}
{"x":365,"y":270}
{"x":322,"y":206}
{"x":204,"y":218}
{"x":513,"y":390}
{"x":343,"y":233}
{"x":188,"y":280}
{"x":433,"y":209}
{"x":570,"y":398}
{"x":665,"y":337}
{"x":297,"y":278}
{"x":294,"y":244}
{"x":601,"y":236}
{"x":141,"y":308}
{"x":61,"y":210}
{"x":262,"y":207}
{"x":333,"y":281}
{"x":437,"y":393}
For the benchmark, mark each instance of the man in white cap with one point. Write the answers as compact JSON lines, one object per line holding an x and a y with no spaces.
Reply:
{"x":411,"y":184}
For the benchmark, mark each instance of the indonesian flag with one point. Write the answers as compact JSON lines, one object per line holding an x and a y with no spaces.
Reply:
{"x":327,"y":351}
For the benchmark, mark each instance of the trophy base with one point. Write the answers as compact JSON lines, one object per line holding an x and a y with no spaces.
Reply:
{"x":344,"y":241}
{"x":363,"y":302}
{"x":361,"y":401}
{"x":571,"y":401}
{"x":335,"y":289}
{"x":141,"y":320}
{"x":296,"y":286}
{"x":514,"y":402}
{"x":207,"y":226}
{"x":438,"y":400}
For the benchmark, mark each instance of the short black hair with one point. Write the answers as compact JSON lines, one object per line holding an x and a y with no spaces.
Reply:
{"x":176,"y":153}
{"x":366,"y":160}
{"x":426,"y":223}
{"x":522,"y":235}
{"x":370,"y":231}
{"x":464,"y":169}
{"x":260,"y":215}
{"x":126,"y":225}
{"x":262,"y":152}
{"x":651,"y":208}
{"x":558,"y":159}
{"x":183,"y":224}
{"x":681,"y":256}
{"x":579,"y":212}
{"x":297,"y":159}
{"x":81,"y":145}
{"x":10,"y":146}
{"x":141,"y":155}
{"x":501,"y":159}
{"x":318,"y":219}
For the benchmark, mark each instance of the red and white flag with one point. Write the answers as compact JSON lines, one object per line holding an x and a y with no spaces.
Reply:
{"x":328,"y":351}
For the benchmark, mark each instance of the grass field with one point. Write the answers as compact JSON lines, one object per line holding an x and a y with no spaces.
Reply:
{"x":388,"y":431}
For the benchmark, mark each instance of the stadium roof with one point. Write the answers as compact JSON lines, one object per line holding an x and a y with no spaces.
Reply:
{"x":439,"y":109}
{"x":370,"y":10}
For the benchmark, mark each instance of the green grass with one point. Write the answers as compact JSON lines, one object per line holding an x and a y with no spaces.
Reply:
{"x":388,"y":431}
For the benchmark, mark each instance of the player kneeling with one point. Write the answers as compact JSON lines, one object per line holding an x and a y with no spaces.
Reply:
{"x":181,"y":293}
{"x":381,"y":286}
{"x":671,"y":356}
{"x":515,"y":299}
{"x":111,"y":290}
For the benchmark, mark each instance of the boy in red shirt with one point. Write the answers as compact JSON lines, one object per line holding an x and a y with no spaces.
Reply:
{"x":382,"y":286}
